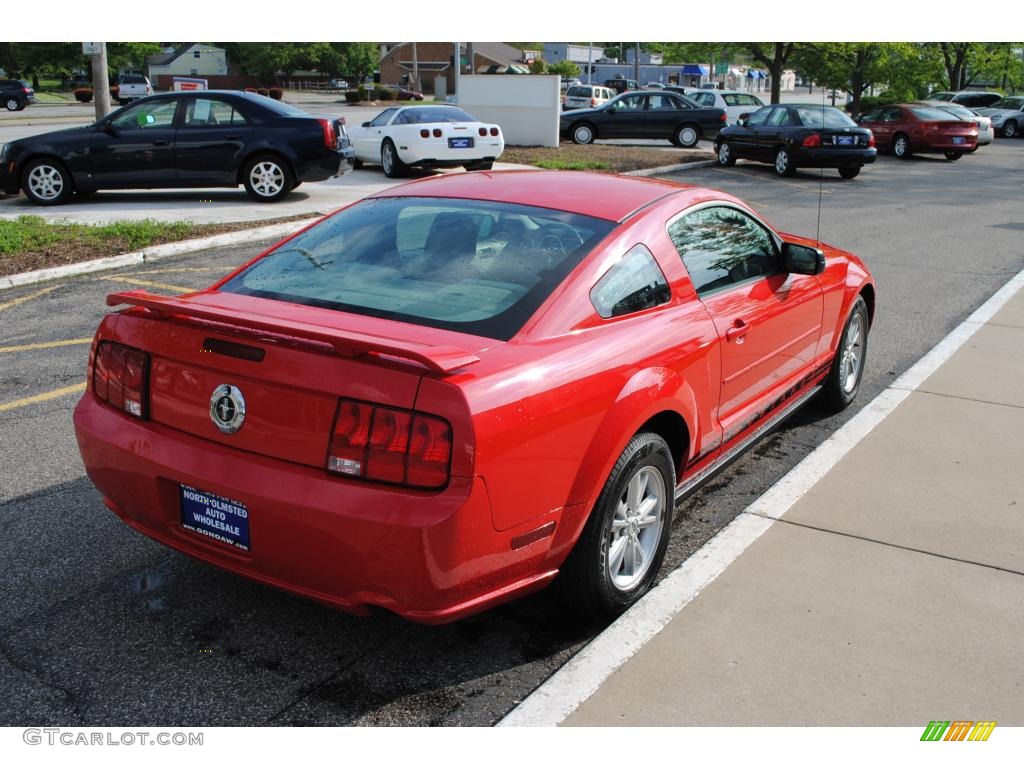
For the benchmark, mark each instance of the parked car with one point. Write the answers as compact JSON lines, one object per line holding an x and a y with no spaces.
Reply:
{"x":643,"y":115}
{"x":581,"y":96}
{"x":792,"y":136}
{"x":986,"y":134}
{"x":338,"y":84}
{"x":407,"y":94}
{"x":735,"y":103}
{"x":452,"y":393}
{"x":16,"y":94}
{"x":622,"y":84}
{"x":565,"y":83}
{"x":181,"y":139}
{"x":907,"y":128}
{"x":132,"y":87}
{"x":972,"y":99}
{"x":438,"y":136}
{"x":1007,"y":115}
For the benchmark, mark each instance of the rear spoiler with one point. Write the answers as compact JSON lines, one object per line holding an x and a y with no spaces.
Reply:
{"x":440,"y":358}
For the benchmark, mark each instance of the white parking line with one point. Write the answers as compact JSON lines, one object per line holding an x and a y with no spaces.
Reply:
{"x":583,"y":674}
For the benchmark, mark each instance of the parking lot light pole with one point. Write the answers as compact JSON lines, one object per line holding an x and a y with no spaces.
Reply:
{"x":100,"y":82}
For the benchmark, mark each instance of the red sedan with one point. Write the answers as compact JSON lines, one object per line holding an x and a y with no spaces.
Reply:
{"x":447,"y":395}
{"x":908,"y":128}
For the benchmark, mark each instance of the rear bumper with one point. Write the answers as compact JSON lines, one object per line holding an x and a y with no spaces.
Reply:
{"x":429,"y":557}
{"x":439,"y":155}
{"x":826,"y":157}
{"x":327,"y":166}
{"x":9,"y":178}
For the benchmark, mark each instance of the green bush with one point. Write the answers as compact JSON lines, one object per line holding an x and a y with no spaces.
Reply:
{"x":386,"y":94}
{"x":83,"y":94}
{"x":276,"y":93}
{"x":353,"y":97}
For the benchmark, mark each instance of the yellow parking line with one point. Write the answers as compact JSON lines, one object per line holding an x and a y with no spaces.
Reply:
{"x":150,"y":284}
{"x":26,"y":297}
{"x":42,"y":398}
{"x":175,"y":270}
{"x":44,"y":345}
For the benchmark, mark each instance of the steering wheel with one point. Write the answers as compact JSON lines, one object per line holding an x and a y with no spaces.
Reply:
{"x":559,"y":238}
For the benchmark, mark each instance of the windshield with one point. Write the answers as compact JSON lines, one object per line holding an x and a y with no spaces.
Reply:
{"x":465,"y":265}
{"x":1008,"y":104}
{"x":943,"y":96}
{"x":929,"y":113}
{"x":824,"y":117}
{"x":418,"y":115}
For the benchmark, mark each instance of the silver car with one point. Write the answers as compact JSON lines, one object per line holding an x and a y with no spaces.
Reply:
{"x":986,"y":134}
{"x":1007,"y":115}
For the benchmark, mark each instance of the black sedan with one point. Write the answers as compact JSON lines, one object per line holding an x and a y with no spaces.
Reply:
{"x":644,"y":115}
{"x":187,"y":139}
{"x":792,"y":136}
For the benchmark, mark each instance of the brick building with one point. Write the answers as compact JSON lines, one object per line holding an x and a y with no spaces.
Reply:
{"x":435,"y":59}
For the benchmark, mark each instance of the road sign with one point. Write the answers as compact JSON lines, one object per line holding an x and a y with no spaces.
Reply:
{"x":91,"y":49}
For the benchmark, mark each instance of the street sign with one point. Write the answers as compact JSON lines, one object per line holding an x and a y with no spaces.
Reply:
{"x":91,"y":49}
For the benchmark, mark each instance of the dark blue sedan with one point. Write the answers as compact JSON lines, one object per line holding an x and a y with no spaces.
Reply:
{"x":174,"y":140}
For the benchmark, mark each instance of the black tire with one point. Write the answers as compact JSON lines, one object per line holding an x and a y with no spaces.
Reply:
{"x":583,"y":133}
{"x":392,"y":164}
{"x":901,"y":146}
{"x":784,"y":165}
{"x":483,"y":165}
{"x":267,"y":178}
{"x":585,"y":582}
{"x":729,"y":158}
{"x":356,"y":164}
{"x":12,"y":104}
{"x":839,"y":390}
{"x":953,"y":155}
{"x":687,"y":136}
{"x":46,"y":182}
{"x":849,"y":173}
{"x":1010,"y":129}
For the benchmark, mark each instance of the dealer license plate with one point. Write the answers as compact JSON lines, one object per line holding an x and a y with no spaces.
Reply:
{"x":461,"y":142}
{"x":958,"y":139}
{"x":213,"y":516}
{"x":846,"y":141}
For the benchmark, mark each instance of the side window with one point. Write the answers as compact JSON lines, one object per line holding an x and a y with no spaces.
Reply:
{"x":630,"y":103}
{"x":635,"y":283}
{"x":871,"y":116}
{"x":152,"y":114}
{"x":211,"y":112}
{"x":759,"y":117}
{"x":660,"y":102}
{"x":722,"y":246}
{"x":383,"y":117}
{"x":780,"y":118}
{"x":891,"y":115}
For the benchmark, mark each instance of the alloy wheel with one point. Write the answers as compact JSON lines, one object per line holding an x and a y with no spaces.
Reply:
{"x":583,"y":135}
{"x":899,"y":147}
{"x":781,"y":162}
{"x":266,"y":178}
{"x":636,"y":528}
{"x":1010,"y":130}
{"x":687,"y":136}
{"x":46,"y":182}
{"x":388,"y":159}
{"x":853,"y":354}
{"x":12,"y":105}
{"x":723,"y":153}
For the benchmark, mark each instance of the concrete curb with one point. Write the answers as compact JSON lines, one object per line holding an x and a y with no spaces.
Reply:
{"x":154,"y":253}
{"x":671,"y":168}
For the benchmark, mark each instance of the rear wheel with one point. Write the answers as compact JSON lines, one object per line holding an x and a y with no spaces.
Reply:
{"x":686,"y":136}
{"x":784,"y":162}
{"x":583,"y":133}
{"x":849,"y":173}
{"x":46,"y":182}
{"x":901,"y":146}
{"x":392,"y":164}
{"x":952,"y":155}
{"x":840,"y":388}
{"x":725,"y":156}
{"x":1009,"y":128}
{"x":12,"y":104}
{"x":623,"y":543}
{"x":267,"y":178}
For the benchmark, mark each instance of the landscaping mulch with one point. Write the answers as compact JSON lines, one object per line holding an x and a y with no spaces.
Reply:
{"x":604,"y":158}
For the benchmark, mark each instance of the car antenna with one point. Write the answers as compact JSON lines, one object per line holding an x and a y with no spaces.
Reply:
{"x":821,"y":176}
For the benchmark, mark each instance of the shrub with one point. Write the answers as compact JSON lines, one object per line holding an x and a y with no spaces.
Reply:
{"x":386,"y":94}
{"x":83,"y":94}
{"x":353,"y":97}
{"x":276,"y":93}
{"x":263,"y":91}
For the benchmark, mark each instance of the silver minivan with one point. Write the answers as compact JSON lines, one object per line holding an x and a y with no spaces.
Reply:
{"x":586,"y":96}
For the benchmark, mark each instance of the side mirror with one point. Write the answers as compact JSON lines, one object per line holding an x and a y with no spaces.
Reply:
{"x":109,"y":128}
{"x":741,"y":120}
{"x":802,"y":259}
{"x":366,"y":124}
{"x":858,"y":119}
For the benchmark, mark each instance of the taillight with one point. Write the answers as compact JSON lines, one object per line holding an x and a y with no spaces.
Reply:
{"x":390,"y":445}
{"x":722,"y":117}
{"x":593,"y":102}
{"x":871,"y":139}
{"x":437,"y":133}
{"x":482,"y":131}
{"x":494,"y":131}
{"x":814,"y":140}
{"x":424,"y":133}
{"x":330,"y":137}
{"x":120,"y":377}
{"x":27,"y":90}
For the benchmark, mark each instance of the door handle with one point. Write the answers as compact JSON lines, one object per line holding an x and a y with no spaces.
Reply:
{"x":737,"y":332}
{"x":161,"y":143}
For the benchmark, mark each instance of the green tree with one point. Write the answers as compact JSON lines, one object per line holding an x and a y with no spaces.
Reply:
{"x":566,"y":69}
{"x":856,"y":67}
{"x":130,"y":55}
{"x":775,"y":58}
{"x":538,"y":67}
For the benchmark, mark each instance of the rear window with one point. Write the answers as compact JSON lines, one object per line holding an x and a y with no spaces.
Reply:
{"x":464,"y":265}
{"x":133,"y":80}
{"x":824,"y":117}
{"x":434,"y":115}
{"x":930,"y":113}
{"x":1009,"y":104}
{"x":578,"y":91}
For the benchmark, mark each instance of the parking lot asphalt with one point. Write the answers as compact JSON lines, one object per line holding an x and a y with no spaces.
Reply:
{"x":101,"y":626}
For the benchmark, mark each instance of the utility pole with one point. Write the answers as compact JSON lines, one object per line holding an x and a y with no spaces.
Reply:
{"x":471,"y":58}
{"x":636,"y":62}
{"x":590,"y":64}
{"x":458,"y":68}
{"x":100,"y":82}
{"x":415,"y":70}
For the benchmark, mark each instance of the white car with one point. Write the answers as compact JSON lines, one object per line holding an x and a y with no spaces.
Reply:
{"x":1007,"y":115}
{"x":735,"y":103}
{"x":434,"y":136}
{"x":586,"y":96}
{"x":986,"y":134}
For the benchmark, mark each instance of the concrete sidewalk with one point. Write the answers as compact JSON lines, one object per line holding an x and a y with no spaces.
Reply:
{"x":891,"y":593}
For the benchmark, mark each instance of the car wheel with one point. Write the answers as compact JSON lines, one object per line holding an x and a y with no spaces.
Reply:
{"x":1009,"y":129}
{"x":583,"y":133}
{"x":849,"y":173}
{"x":392,"y":164}
{"x":686,"y":136}
{"x":12,"y":104}
{"x":267,"y":178}
{"x":840,"y":388}
{"x":725,"y":156}
{"x":617,"y":557}
{"x":901,"y":146}
{"x":784,"y":162}
{"x":480,"y":166}
{"x":953,"y":155}
{"x":46,"y":182}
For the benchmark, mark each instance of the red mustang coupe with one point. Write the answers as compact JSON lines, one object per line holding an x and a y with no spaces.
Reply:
{"x":908,"y":128}
{"x":449,"y":394}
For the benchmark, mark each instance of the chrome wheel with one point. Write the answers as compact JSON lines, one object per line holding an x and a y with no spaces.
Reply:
{"x":781,"y":162}
{"x":387,"y":159}
{"x":723,"y":153}
{"x":636,"y":528}
{"x":900,"y":146}
{"x":687,"y":136}
{"x":12,"y":105}
{"x":266,"y":178}
{"x":46,"y":182}
{"x":583,"y":134}
{"x":852,"y":354}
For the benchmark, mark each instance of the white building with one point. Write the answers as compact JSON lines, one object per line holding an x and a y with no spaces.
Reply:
{"x":188,"y":60}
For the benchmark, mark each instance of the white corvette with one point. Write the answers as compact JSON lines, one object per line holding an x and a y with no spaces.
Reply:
{"x":429,"y":136}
